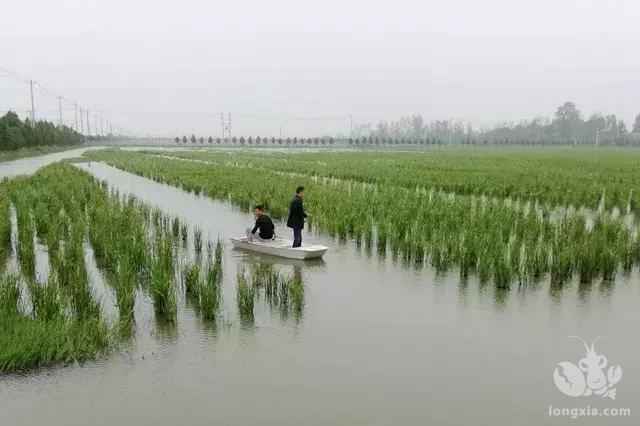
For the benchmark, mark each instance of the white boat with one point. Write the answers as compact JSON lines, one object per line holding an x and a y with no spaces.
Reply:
{"x":280,"y":247}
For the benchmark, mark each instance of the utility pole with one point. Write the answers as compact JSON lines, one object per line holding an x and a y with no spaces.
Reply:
{"x":76,"y":117}
{"x":222,"y":123}
{"x":350,"y":125}
{"x":81,"y":122}
{"x":60,"y":111}
{"x":88,"y":125}
{"x":229,"y":124}
{"x":33,"y":105}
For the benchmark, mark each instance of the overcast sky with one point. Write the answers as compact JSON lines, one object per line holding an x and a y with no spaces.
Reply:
{"x":170,"y":67}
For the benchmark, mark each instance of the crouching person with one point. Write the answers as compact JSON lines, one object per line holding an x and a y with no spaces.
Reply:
{"x":263,"y":226}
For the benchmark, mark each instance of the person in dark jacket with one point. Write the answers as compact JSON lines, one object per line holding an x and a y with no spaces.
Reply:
{"x":297,"y":216}
{"x":263,"y":225}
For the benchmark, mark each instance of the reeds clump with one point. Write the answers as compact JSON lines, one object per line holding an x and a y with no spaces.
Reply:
{"x":210,"y":288}
{"x":5,"y":226}
{"x":197,"y":240}
{"x":192,"y":281}
{"x":184,"y":234}
{"x":162,"y":280}
{"x":9,"y":296}
{"x":126,"y":288}
{"x":175,"y":228}
{"x":26,"y":235}
{"x":205,"y":292}
{"x":245,"y":297}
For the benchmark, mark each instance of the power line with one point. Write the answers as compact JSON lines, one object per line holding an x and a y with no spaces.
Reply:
{"x":61,"y":100}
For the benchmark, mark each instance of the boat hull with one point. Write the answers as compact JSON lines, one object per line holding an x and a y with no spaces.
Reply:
{"x":281,"y":248}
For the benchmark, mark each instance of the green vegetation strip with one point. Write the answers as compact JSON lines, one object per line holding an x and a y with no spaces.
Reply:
{"x":503,"y":240}
{"x":55,"y":318}
{"x":61,"y":321}
{"x":581,"y":177}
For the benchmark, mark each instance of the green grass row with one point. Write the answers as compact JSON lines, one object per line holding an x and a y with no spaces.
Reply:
{"x":562,"y":176}
{"x":65,"y":209}
{"x":497,"y":239}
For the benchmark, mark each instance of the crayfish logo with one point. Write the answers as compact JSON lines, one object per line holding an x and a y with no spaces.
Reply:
{"x":590,"y":377}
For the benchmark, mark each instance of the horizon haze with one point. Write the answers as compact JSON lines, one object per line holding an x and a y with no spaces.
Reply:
{"x":286,"y":68}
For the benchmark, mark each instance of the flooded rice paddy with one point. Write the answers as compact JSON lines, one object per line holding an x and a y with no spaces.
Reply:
{"x":376,"y":343}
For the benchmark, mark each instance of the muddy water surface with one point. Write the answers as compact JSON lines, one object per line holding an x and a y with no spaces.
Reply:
{"x":377,"y":343}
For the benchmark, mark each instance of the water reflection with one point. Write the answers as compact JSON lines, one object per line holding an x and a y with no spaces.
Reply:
{"x":251,"y":258}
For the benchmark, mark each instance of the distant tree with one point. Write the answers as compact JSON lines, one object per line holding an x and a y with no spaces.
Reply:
{"x":193,"y":139}
{"x":636,"y":124}
{"x":184,"y":139}
{"x":210,"y":140}
{"x":201,"y":140}
{"x":567,"y":120}
{"x":177,"y":139}
{"x":622,"y":128}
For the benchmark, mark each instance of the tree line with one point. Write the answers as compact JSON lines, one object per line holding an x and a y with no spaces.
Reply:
{"x":566,"y":127}
{"x":255,"y":141}
{"x":17,"y":134}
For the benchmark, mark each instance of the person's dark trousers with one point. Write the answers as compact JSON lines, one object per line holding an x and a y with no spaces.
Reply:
{"x":297,"y":236}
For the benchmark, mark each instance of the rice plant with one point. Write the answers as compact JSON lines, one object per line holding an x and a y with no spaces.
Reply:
{"x":210,"y":295}
{"x":5,"y":227}
{"x":47,"y":300}
{"x":175,"y":228}
{"x":126,"y":288}
{"x":9,"y":296}
{"x":192,"y":281}
{"x":197,"y":240}
{"x":162,"y":280}
{"x":26,"y":248}
{"x":184,"y":234}
{"x":245,"y":297}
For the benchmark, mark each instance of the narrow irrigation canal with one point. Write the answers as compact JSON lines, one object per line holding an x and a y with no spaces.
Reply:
{"x":376,"y":342}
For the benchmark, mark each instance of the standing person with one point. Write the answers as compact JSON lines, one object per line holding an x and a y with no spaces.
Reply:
{"x":263,"y":225}
{"x":297,"y":216}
